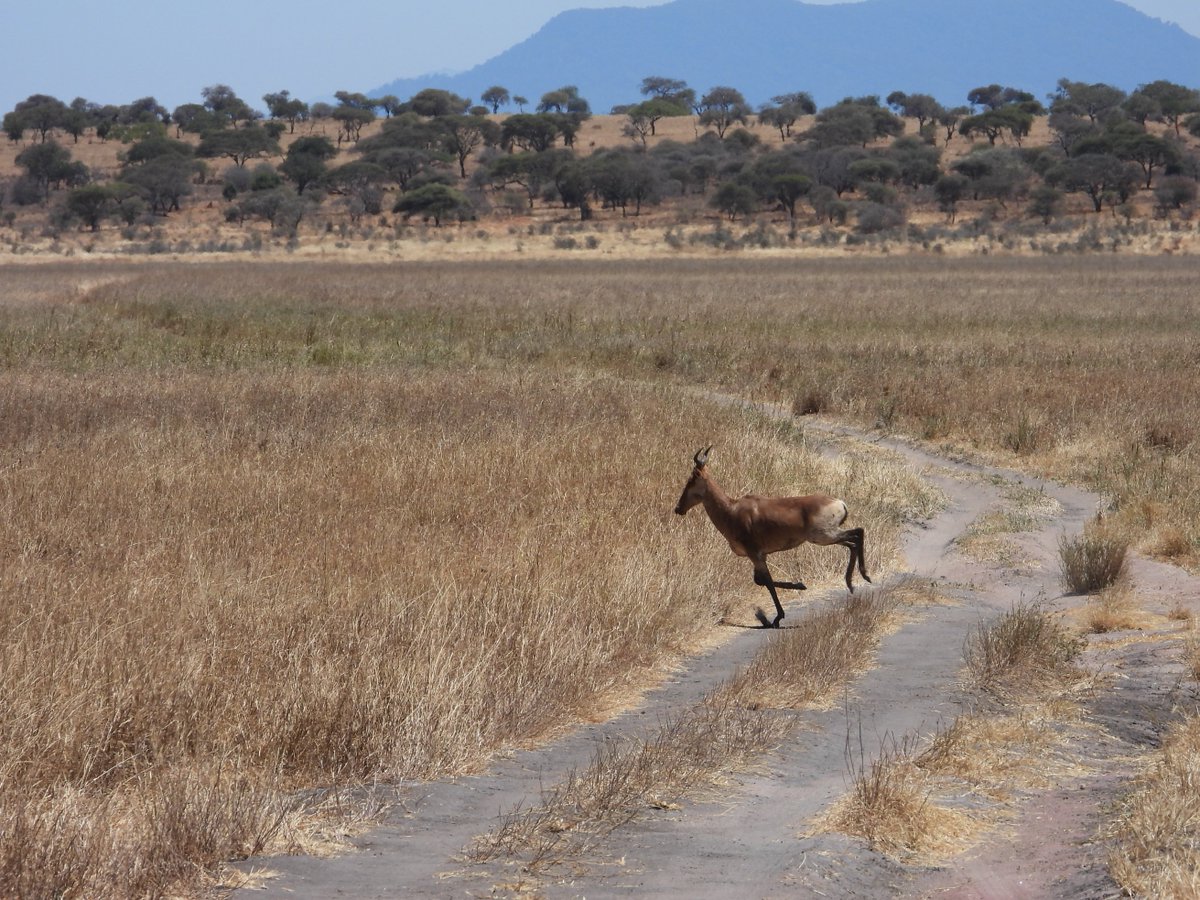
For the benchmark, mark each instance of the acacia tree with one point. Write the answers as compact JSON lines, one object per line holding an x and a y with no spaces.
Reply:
{"x":14,"y":127}
{"x":643,"y":118}
{"x":1100,"y":176}
{"x":622,"y":177}
{"x":434,"y":102}
{"x":529,"y":171}
{"x":784,"y":110}
{"x":922,"y":107}
{"x":240,"y":145}
{"x":351,"y":121}
{"x":463,"y":135}
{"x":994,"y":123}
{"x":1149,"y":151}
{"x":50,"y":165}
{"x":530,"y":132}
{"x":496,"y":96}
{"x":1175,"y":102}
{"x":854,"y":120}
{"x":722,"y":107}
{"x":306,"y":160}
{"x":390,"y":104}
{"x":781,"y":178}
{"x":225,"y":105}
{"x":92,"y":204}
{"x":435,"y":201}
{"x":1095,"y":101}
{"x":672,"y":90}
{"x":282,"y":105}
{"x":41,"y":113}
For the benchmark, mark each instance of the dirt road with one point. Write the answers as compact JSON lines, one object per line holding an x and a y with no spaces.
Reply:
{"x":754,"y":840}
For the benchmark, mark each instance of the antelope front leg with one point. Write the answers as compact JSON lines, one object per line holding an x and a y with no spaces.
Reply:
{"x":762,"y":576}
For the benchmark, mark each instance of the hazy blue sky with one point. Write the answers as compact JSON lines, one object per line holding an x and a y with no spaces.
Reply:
{"x":118,"y":51}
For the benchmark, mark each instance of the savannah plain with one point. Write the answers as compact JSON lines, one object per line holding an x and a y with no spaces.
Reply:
{"x":285,"y":530}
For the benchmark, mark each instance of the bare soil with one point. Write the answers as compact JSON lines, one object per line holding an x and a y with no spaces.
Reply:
{"x":756,"y":838}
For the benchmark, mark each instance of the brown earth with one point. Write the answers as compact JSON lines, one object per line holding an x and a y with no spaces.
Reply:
{"x":755,"y":838}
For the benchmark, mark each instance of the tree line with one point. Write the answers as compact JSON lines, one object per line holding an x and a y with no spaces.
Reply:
{"x":439,"y":157}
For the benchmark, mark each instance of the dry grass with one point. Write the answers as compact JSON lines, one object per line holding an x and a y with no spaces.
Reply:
{"x":686,"y":756}
{"x":211,"y":475}
{"x":892,"y":806}
{"x":927,"y":805}
{"x":808,"y":665}
{"x":313,"y":579}
{"x":1022,"y":653}
{"x":1112,"y":609}
{"x":254,"y":537}
{"x":1156,"y":834}
{"x":1022,"y":509}
{"x":1191,"y":657}
{"x":1093,"y":561}
{"x":690,"y":754}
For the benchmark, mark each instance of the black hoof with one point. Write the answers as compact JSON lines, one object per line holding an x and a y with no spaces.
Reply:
{"x":762,"y":618}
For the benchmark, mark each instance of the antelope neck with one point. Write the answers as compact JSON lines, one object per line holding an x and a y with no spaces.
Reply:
{"x":716,"y":502}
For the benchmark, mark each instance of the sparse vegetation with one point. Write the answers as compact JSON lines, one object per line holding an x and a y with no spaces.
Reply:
{"x":1155,"y":852}
{"x":1092,"y":561}
{"x":1012,"y":178}
{"x":1020,"y":652}
{"x":908,"y":801}
{"x":685,"y":757}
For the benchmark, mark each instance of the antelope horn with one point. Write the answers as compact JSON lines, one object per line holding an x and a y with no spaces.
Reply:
{"x":702,"y":457}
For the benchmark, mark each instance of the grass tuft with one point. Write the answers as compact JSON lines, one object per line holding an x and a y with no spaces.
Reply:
{"x":1020,"y":652}
{"x":1093,"y":561}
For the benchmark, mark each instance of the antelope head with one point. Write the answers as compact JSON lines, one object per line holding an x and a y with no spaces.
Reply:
{"x":694,"y":490}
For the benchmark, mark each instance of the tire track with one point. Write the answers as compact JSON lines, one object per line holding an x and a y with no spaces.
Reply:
{"x":746,"y":844}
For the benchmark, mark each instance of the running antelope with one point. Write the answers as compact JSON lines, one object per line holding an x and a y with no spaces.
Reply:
{"x":756,"y":526}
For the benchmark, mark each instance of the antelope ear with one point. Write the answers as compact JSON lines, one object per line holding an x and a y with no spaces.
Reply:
{"x":702,"y":457}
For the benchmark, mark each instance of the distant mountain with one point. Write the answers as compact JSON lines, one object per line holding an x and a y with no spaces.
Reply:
{"x":769,"y":47}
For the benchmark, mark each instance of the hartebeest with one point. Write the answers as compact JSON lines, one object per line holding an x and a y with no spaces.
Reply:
{"x":756,"y":526}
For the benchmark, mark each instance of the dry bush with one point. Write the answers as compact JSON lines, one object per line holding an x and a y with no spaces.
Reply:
{"x":1093,"y":561}
{"x":907,"y":802}
{"x":1191,"y":657}
{"x":892,"y":807}
{"x":811,"y":402}
{"x":1020,"y":652}
{"x":1172,"y":543}
{"x":1181,"y":612}
{"x":1111,"y":609}
{"x":1156,"y":852}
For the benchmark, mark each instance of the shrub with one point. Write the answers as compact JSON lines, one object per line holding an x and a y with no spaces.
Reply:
{"x":1023,"y":649}
{"x":1092,"y":561}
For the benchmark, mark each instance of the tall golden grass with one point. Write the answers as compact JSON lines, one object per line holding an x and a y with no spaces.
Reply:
{"x":1083,"y":368}
{"x":219,"y":587}
{"x":268,"y":525}
{"x":240,"y":558}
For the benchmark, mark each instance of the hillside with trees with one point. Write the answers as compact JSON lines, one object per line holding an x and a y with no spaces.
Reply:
{"x":1086,"y":166}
